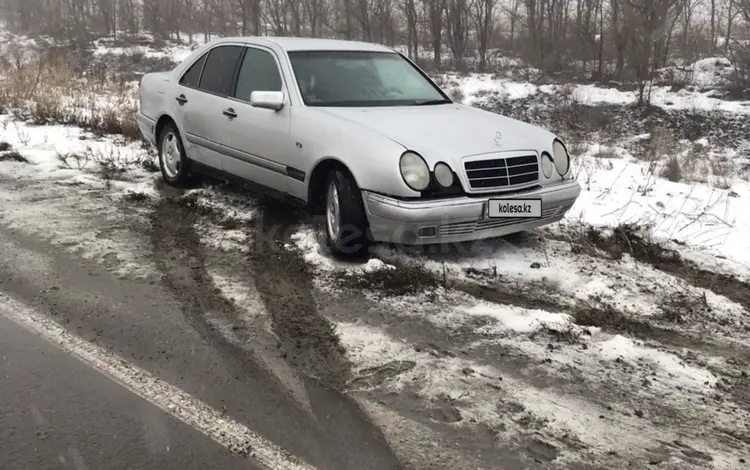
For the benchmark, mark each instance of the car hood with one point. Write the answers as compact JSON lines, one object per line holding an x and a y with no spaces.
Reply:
{"x":448,"y":132}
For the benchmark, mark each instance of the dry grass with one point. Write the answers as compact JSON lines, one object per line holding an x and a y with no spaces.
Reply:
{"x":12,"y":156}
{"x":456,"y":94}
{"x":661,"y":143}
{"x":672,"y":170}
{"x":606,"y":152}
{"x":43,"y":88}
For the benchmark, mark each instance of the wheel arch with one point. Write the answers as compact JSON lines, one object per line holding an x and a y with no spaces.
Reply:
{"x":163,"y":120}
{"x":316,"y":187}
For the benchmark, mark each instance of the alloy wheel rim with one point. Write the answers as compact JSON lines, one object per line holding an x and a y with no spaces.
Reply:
{"x":170,"y":154}
{"x":333,"y":212}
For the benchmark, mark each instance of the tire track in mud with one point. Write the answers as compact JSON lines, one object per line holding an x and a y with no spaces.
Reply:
{"x":180,"y":258}
{"x":307,"y":340}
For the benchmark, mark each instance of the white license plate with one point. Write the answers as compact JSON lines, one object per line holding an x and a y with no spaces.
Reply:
{"x":511,"y":208}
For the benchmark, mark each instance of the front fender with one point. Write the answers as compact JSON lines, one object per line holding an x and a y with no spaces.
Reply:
{"x":372,"y":158}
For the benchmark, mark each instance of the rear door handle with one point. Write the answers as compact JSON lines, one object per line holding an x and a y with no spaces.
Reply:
{"x":181,"y":99}
{"x":230,"y":113}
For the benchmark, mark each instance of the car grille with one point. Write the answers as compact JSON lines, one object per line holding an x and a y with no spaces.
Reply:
{"x":465,"y":228}
{"x":507,"y":172}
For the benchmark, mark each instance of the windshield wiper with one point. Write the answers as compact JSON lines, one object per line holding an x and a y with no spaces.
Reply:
{"x":431,"y":102}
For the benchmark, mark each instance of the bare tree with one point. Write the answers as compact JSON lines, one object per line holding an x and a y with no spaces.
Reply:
{"x":646,"y":24}
{"x":457,"y":26}
{"x":435,"y":9}
{"x":484,"y":25}
{"x":409,"y":9}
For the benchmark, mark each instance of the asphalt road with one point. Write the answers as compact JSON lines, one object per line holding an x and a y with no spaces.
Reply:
{"x":62,"y":412}
{"x":57,"y":412}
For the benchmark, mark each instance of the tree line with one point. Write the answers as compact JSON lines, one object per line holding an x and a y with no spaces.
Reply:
{"x":601,"y":39}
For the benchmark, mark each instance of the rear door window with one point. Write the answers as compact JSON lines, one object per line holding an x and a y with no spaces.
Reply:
{"x":218,"y":73}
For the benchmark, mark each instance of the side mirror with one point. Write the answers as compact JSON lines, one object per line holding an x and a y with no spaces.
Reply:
{"x":267,"y":99}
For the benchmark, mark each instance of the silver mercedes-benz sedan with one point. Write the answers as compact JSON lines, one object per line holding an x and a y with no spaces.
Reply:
{"x":358,"y":133}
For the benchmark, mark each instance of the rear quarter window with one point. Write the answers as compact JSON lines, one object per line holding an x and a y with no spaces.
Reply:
{"x":192,"y":77}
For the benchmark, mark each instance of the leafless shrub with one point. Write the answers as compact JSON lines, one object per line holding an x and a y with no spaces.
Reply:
{"x":739,"y":79}
{"x":679,"y":305}
{"x":74,"y":160}
{"x":661,"y":143}
{"x":605,"y":152}
{"x":694,"y":162}
{"x":568,"y":95}
{"x":456,"y":94}
{"x":721,"y":173}
{"x":23,"y":136}
{"x":577,"y":147}
{"x":672,"y":170}
{"x":12,"y":156}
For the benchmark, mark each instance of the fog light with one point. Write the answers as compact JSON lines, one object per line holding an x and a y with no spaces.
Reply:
{"x":427,"y":232}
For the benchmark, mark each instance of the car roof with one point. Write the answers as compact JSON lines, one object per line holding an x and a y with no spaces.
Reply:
{"x":311,"y":44}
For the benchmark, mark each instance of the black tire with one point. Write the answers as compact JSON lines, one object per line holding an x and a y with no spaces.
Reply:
{"x":352,"y":239}
{"x":173,"y":162}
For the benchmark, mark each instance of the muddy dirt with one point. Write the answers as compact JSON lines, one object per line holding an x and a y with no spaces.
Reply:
{"x":308,"y":341}
{"x":181,"y":260}
{"x":627,"y":239}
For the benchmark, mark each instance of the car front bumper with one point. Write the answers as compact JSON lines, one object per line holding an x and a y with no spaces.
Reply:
{"x":460,"y":219}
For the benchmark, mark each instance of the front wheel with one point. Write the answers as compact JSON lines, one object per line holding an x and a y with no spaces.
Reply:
{"x":347,"y":229}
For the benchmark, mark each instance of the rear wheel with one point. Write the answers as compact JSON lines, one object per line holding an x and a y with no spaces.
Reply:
{"x":346,"y":226}
{"x":174,"y":164}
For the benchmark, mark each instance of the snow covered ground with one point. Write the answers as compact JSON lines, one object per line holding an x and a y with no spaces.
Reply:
{"x":472,"y":87}
{"x":617,"y":338}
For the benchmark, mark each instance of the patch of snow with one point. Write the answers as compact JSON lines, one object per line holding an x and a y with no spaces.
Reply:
{"x":238,"y":208}
{"x":474,"y":86}
{"x":247,"y":298}
{"x":477,"y":84}
{"x":634,"y":351}
{"x":224,"y":240}
{"x":518,"y":319}
{"x":307,"y":241}
{"x":628,"y":191}
{"x":374,"y":264}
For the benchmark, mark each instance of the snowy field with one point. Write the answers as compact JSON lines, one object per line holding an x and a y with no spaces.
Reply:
{"x":619,"y":338}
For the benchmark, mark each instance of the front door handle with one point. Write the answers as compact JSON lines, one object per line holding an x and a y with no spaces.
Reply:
{"x":181,"y":99}
{"x":230,"y":113}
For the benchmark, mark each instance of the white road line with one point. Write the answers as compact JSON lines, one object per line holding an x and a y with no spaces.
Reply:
{"x":191,"y":411}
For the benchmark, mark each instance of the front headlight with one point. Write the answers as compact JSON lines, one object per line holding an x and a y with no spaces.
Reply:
{"x":547,"y":166}
{"x":562,"y":159}
{"x":414,"y":171}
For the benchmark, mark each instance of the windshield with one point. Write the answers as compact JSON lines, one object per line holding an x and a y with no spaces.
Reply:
{"x":353,"y":78}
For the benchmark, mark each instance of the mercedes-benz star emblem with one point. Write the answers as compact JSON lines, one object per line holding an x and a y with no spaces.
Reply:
{"x":499,"y":139}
